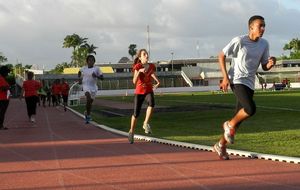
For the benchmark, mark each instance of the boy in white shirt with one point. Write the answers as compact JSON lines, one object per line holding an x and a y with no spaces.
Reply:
{"x":89,"y":74}
{"x":247,"y":52}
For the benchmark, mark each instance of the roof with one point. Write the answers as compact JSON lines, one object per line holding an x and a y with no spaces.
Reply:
{"x":75,"y":70}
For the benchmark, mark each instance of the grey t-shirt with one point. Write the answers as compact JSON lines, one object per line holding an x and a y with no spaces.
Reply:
{"x":246,"y":57}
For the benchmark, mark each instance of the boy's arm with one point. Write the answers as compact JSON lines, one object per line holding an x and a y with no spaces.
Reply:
{"x":97,"y":74}
{"x":22,"y":93}
{"x":270,"y":64}
{"x":100,"y":76}
{"x":79,"y":77}
{"x":222,"y":62}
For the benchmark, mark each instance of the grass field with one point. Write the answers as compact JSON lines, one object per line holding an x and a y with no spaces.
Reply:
{"x":274,"y":129}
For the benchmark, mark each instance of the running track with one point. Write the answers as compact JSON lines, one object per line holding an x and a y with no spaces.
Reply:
{"x":61,"y":152}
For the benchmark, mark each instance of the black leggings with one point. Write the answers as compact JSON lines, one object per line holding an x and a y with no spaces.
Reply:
{"x":138,"y":102}
{"x":244,"y":98}
{"x":3,"y":108}
{"x":31,"y":105}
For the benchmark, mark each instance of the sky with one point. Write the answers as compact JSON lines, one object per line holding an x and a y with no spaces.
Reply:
{"x":32,"y":31}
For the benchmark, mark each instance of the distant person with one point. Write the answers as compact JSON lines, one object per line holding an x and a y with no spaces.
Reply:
{"x":4,"y":95}
{"x":143,"y":74}
{"x":88,"y":76}
{"x":274,"y":86}
{"x":247,"y":52}
{"x":64,"y":92}
{"x":29,"y":91}
{"x":42,"y":94}
{"x":47,"y":89}
{"x":55,"y":92}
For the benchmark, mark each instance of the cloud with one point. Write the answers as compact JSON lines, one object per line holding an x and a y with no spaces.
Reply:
{"x":33,"y":31}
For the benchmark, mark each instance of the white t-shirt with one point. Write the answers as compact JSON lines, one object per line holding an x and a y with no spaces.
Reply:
{"x":89,"y":83}
{"x":246,"y":57}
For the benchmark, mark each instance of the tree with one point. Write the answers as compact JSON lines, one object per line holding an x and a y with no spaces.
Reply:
{"x":19,"y":69}
{"x":2,"y":58}
{"x":27,"y":66}
{"x":73,"y":41}
{"x":294,"y":47}
{"x":10,"y":66}
{"x":132,"y":50}
{"x":90,"y":48}
{"x":80,"y":48}
{"x":59,"y":68}
{"x":10,"y":78}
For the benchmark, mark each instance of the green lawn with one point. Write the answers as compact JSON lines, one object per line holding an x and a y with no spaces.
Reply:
{"x":275,"y":129}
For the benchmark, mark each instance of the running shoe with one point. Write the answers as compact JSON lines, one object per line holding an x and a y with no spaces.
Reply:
{"x":147,"y":128}
{"x":221,"y":151}
{"x":130,"y":137}
{"x":229,"y":132}
{"x":32,"y":119}
{"x":3,"y":128}
{"x":87,"y":118}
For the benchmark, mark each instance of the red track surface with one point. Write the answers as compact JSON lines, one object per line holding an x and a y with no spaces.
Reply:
{"x":61,"y":152}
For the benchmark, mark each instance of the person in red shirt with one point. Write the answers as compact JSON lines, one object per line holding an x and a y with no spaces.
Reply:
{"x":143,"y":75}
{"x":29,"y":91}
{"x":56,"y":91}
{"x":4,"y":95}
{"x":64,"y":92}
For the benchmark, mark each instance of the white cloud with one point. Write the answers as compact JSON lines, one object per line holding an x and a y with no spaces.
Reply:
{"x":32,"y":31}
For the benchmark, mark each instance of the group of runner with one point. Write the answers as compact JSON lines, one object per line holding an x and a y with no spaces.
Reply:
{"x":248,"y":52}
{"x":36,"y":92}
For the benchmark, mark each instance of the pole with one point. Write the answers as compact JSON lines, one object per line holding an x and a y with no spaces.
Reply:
{"x":148,"y":37}
{"x":172,"y":53}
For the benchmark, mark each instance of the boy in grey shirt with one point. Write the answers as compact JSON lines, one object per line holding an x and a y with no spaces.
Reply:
{"x":247,"y":52}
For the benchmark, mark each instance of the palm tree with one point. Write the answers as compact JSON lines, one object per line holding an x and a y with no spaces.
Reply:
{"x":2,"y":58}
{"x":90,"y":48}
{"x":79,"y":56}
{"x":294,"y":47}
{"x":75,"y":41}
{"x":132,"y":50}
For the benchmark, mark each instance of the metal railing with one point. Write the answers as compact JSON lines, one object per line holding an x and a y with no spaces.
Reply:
{"x":186,"y":78}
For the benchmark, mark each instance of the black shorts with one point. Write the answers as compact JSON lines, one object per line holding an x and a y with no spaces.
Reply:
{"x":139,"y":100}
{"x":65,"y":98}
{"x":244,"y":98}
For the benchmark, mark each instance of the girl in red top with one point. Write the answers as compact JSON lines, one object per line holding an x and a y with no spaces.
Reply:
{"x":4,"y":95}
{"x":56,"y":91}
{"x":144,"y":72}
{"x":29,"y":90}
{"x":64,"y":92}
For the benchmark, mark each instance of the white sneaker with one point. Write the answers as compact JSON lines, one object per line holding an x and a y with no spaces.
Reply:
{"x":221,"y":151}
{"x":229,"y":132}
{"x":32,"y":119}
{"x":147,"y":128}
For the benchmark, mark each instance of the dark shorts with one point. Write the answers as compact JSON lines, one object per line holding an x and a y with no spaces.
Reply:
{"x":244,"y":98}
{"x":139,"y":100}
{"x":65,"y":98}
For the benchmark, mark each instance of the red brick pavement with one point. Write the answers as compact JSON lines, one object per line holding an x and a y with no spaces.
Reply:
{"x":61,"y":152}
